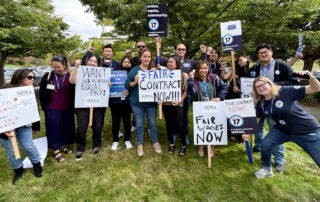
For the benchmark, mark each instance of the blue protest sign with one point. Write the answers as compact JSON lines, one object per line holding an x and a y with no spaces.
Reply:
{"x":157,"y":20}
{"x":118,"y":78}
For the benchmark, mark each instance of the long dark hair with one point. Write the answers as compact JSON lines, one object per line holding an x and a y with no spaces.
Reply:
{"x":18,"y":76}
{"x":242,"y":71}
{"x":125,"y":68}
{"x":177,"y":59}
{"x":151,"y":64}
{"x":90,"y":55}
{"x":63,"y":60}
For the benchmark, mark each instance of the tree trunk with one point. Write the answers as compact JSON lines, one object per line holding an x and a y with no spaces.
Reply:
{"x":308,"y":63}
{"x":4,"y":55}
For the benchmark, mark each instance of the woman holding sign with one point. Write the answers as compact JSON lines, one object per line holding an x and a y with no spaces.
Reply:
{"x":57,"y":101}
{"x":292,"y":123}
{"x":21,"y":77}
{"x":173,"y":111}
{"x":140,"y":109}
{"x":93,"y":60}
{"x":206,"y":87}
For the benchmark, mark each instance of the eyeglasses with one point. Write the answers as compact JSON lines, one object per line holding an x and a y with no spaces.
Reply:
{"x":263,"y":52}
{"x":261,"y":85}
{"x":141,"y":46}
{"x":181,"y":49}
{"x":30,"y":77}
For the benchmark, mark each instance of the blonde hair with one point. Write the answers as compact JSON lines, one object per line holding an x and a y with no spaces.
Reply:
{"x":273,"y":87}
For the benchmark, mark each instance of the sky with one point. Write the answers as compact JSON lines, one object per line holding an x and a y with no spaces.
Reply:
{"x":80,"y":22}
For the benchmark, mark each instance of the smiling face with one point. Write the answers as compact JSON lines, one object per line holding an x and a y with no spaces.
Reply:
{"x":93,"y":61}
{"x":213,"y":55}
{"x":126,"y":63}
{"x":58,"y":67}
{"x":107,"y":53}
{"x":145,"y":58}
{"x":263,"y":88}
{"x":265,"y":55}
{"x":203,"y":71}
{"x":181,"y":50}
{"x":171,"y":63}
{"x":28,"y":81}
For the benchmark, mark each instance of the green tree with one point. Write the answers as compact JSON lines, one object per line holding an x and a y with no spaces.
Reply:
{"x":29,"y":28}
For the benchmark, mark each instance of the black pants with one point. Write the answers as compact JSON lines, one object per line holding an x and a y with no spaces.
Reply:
{"x":174,"y":122}
{"x":119,"y":111}
{"x":83,"y":121}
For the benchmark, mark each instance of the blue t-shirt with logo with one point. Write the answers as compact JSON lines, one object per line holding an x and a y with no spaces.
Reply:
{"x":285,"y":110}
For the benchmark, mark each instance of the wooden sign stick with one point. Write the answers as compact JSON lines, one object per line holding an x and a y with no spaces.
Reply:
{"x":233,"y":69}
{"x":158,"y":67}
{"x":90,"y":116}
{"x":14,"y":145}
{"x":209,"y":156}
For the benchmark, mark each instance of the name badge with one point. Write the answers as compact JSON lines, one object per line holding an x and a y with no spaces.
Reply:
{"x":50,"y":87}
{"x":123,"y":98}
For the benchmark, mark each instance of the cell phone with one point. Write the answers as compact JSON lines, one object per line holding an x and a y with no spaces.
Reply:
{"x":305,"y":76}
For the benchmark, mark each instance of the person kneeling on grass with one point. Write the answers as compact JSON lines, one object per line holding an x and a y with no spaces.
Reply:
{"x":292,"y":122}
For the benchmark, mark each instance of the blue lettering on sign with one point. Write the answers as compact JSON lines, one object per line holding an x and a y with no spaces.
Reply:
{"x":232,"y":27}
{"x":158,"y":74}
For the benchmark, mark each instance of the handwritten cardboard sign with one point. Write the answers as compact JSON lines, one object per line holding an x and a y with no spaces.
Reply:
{"x":92,"y":89}
{"x":118,"y":78}
{"x":210,"y":123}
{"x":241,"y":116}
{"x":246,"y":87}
{"x":159,"y":85}
{"x":18,"y":107}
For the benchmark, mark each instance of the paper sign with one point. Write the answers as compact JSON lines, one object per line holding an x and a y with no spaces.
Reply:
{"x":241,"y":116}
{"x":42,"y":146}
{"x":210,"y":123}
{"x":157,"y":20}
{"x":231,"y":36}
{"x":118,"y":78}
{"x":18,"y":107}
{"x":92,"y":89}
{"x":159,"y":85}
{"x":246,"y":87}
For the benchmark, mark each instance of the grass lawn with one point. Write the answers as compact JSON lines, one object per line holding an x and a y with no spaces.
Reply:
{"x":123,"y":176}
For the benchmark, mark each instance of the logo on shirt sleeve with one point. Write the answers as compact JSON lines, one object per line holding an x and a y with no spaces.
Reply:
{"x":279,"y":104}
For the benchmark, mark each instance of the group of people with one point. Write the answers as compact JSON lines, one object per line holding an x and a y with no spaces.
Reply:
{"x":275,"y":91}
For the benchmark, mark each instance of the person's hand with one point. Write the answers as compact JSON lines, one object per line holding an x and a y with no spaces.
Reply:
{"x":243,"y":61}
{"x":136,"y":79}
{"x":128,"y":52}
{"x":299,"y":56}
{"x":236,"y":89}
{"x":191,"y":74}
{"x":245,"y":136}
{"x":125,"y":92}
{"x":203,"y":48}
{"x":160,"y":102}
{"x":107,"y":61}
{"x":223,"y":66}
{"x":209,"y":49}
{"x":158,"y":39}
{"x":176,"y":103}
{"x":91,"y":49}
{"x":217,"y":99}
{"x":109,"y":83}
{"x":77,"y":63}
{"x":9,"y":134}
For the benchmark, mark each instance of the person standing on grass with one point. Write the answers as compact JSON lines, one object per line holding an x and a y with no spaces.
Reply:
{"x":142,"y":109}
{"x":93,"y":60}
{"x":292,"y":122}
{"x":281,"y":74}
{"x":206,"y":87}
{"x":120,"y":108}
{"x":173,"y":111}
{"x":57,"y":101}
{"x":21,"y":77}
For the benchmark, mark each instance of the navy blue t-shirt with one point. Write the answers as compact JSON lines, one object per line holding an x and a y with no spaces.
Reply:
{"x":287,"y":113}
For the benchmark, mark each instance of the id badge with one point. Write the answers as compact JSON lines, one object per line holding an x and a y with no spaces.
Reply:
{"x":50,"y":87}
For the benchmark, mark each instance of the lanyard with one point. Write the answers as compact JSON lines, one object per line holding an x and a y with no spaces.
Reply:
{"x":58,"y":85}
{"x":204,"y":86}
{"x":264,"y":73}
{"x":266,"y":112}
{"x":214,"y":67}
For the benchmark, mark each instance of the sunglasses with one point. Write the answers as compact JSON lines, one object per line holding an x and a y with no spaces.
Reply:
{"x":181,"y":49}
{"x":30,"y":77}
{"x":141,"y":46}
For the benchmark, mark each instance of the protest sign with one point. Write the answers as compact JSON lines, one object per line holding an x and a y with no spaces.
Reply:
{"x":231,"y":36}
{"x":18,"y":107}
{"x":246,"y":87}
{"x":92,"y":89}
{"x":210,"y":123}
{"x":157,"y":17}
{"x":118,"y":78}
{"x":159,"y":85}
{"x":42,"y":146}
{"x":241,"y":116}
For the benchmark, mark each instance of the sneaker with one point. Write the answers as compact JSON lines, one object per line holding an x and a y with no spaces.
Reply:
{"x":140,"y":150}
{"x":95,"y":150}
{"x":157,"y":147}
{"x":279,"y":167}
{"x":114,"y":146}
{"x":133,"y":129}
{"x":78,"y":156}
{"x":128,"y":144}
{"x":263,"y":173}
{"x":120,"y":134}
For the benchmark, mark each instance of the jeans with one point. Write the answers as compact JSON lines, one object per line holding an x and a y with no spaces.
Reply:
{"x":277,"y":150}
{"x":139,"y":115}
{"x":309,"y":142}
{"x":24,"y":136}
